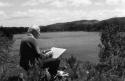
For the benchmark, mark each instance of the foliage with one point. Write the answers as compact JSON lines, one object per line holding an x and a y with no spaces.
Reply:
{"x":9,"y":31}
{"x":112,"y":51}
{"x":8,"y":66}
{"x":5,"y":48}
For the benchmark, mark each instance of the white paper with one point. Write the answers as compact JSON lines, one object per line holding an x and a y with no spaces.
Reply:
{"x":57,"y":51}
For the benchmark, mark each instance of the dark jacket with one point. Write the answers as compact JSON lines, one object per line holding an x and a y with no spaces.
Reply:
{"x":28,"y":52}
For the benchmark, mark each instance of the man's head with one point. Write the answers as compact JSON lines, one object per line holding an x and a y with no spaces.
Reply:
{"x":34,"y":30}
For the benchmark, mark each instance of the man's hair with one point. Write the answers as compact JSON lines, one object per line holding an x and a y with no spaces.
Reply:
{"x":33,"y":28}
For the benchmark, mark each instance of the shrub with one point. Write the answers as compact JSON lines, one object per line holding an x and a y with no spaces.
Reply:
{"x":112,"y":53}
{"x":5,"y":48}
{"x":7,"y":66}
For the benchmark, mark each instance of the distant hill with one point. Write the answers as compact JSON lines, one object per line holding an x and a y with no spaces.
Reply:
{"x":81,"y":25}
{"x":70,"y":26}
{"x":117,"y":21}
{"x":86,"y":25}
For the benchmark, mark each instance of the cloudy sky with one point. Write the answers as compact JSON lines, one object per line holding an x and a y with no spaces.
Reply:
{"x":44,"y":12}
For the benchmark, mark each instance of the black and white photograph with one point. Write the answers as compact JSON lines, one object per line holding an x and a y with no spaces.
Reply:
{"x":62,"y":40}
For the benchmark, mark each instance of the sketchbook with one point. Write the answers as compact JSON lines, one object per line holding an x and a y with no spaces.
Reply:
{"x":57,"y":51}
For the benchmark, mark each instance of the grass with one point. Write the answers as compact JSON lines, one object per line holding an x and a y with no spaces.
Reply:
{"x":83,"y":45}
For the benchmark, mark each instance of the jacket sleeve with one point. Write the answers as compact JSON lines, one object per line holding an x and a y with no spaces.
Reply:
{"x":43,"y":56}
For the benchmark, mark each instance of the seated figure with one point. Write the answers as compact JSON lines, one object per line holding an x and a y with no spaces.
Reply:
{"x":30,"y":52}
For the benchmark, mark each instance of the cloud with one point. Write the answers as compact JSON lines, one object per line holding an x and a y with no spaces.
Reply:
{"x":71,"y":3}
{"x":81,"y":2}
{"x":123,"y":1}
{"x":105,"y":14}
{"x":58,"y":3}
{"x":115,"y":2}
{"x":98,"y":3}
{"x":35,"y":2}
{"x":120,"y":12}
{"x":45,"y":16}
{"x":112,"y":2}
{"x":19,"y":14}
{"x":30,"y":3}
{"x":3,"y":15}
{"x":5,"y":4}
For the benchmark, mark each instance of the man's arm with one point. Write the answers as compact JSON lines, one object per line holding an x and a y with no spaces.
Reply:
{"x":39,"y":52}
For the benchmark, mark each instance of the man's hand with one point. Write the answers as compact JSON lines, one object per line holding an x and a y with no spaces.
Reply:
{"x":49,"y":53}
{"x":45,"y":54}
{"x":45,"y":51}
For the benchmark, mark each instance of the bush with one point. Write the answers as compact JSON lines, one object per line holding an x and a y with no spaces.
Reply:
{"x":5,"y":48}
{"x":8,"y":66}
{"x":112,"y":52}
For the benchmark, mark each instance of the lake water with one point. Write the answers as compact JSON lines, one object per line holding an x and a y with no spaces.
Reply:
{"x":83,"y":45}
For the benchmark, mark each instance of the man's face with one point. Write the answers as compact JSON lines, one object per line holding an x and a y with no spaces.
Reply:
{"x":36,"y":34}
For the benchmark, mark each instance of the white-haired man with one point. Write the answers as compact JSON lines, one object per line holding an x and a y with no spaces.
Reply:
{"x":30,"y":51}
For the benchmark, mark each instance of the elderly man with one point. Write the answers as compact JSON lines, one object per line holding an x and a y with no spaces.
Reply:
{"x":30,"y":51}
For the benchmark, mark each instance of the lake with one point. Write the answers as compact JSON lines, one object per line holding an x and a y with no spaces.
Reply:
{"x":83,"y":45}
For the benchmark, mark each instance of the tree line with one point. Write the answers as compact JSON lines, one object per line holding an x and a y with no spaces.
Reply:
{"x":82,"y":25}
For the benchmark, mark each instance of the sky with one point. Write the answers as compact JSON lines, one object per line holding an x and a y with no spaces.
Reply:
{"x":45,"y":12}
